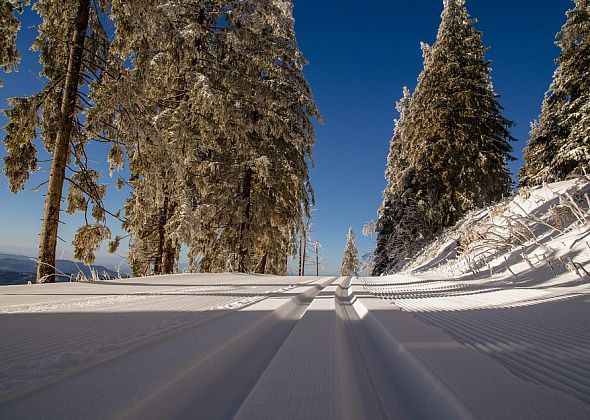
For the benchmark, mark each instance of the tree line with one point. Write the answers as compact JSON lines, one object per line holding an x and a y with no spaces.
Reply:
{"x":207,"y":117}
{"x":451,"y":144}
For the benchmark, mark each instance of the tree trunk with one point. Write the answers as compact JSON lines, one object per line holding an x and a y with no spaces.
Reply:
{"x":261,"y":266}
{"x":158,"y":264}
{"x":245,"y":225}
{"x":59,"y":158}
{"x":169,"y":257}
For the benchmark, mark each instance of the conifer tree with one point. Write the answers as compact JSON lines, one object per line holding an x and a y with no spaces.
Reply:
{"x":458,"y":137}
{"x":72,"y":44}
{"x":229,"y":118}
{"x":268,"y":184}
{"x":454,"y":143}
{"x":560,"y":141}
{"x":396,"y":193}
{"x":350,"y":261}
{"x":205,"y":102}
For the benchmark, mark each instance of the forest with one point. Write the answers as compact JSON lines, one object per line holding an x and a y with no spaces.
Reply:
{"x":206,"y":116}
{"x":206,"y":119}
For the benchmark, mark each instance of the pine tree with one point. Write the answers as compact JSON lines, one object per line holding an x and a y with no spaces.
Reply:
{"x":350,"y":261}
{"x":219,"y":99}
{"x":71,"y":43}
{"x":459,"y":139}
{"x":266,"y":162}
{"x":559,"y":144}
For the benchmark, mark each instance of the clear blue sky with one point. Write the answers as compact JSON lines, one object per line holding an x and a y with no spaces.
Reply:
{"x":361,"y":55}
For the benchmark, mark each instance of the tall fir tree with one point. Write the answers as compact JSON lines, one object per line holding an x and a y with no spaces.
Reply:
{"x":560,"y":140}
{"x":350,"y":261}
{"x":218,"y":98}
{"x":456,"y":139}
{"x":268,"y":157}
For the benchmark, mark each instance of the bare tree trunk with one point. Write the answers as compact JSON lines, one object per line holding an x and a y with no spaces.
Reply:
{"x":317,"y":258}
{"x":245,"y":226}
{"x":302,"y":253}
{"x":158,"y":264}
{"x":59,"y":158}
{"x":261,"y":267}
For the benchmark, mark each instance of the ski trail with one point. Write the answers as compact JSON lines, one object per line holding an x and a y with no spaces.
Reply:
{"x":250,"y":347}
{"x":42,"y":344}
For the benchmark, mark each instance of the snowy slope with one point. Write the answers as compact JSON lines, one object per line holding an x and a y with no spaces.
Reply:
{"x":541,"y":233}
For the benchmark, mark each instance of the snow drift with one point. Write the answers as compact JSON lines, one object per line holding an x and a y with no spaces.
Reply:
{"x":541,"y":232}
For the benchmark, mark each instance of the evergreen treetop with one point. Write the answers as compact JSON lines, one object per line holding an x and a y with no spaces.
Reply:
{"x":559,"y":143}
{"x":458,"y":137}
{"x":450,"y":146}
{"x":350,"y":261}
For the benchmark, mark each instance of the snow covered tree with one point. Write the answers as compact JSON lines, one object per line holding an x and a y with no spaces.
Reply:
{"x":458,"y":137}
{"x":72,"y":43}
{"x":559,"y":144}
{"x":215,"y":94}
{"x":394,"y":205}
{"x":266,"y":188}
{"x":454,"y":145}
{"x":207,"y":105}
{"x":350,"y":261}
{"x":9,"y":26}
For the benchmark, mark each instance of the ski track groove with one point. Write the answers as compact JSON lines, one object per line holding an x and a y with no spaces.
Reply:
{"x":537,"y":348}
{"x":181,"y":306}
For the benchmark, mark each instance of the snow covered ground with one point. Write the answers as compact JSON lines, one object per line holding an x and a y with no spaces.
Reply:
{"x":264,"y":347}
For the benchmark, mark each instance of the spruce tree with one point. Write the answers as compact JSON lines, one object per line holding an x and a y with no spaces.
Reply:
{"x":396,"y":194}
{"x":458,"y":137}
{"x":454,"y":144}
{"x":267,"y":158}
{"x":218,"y":98}
{"x":350,"y":261}
{"x":559,"y":144}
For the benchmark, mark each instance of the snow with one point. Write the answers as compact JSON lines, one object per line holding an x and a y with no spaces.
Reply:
{"x":476,"y":332}
{"x":50,"y":328}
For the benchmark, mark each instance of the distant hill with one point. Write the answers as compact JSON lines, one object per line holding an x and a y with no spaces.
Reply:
{"x":20,"y":269}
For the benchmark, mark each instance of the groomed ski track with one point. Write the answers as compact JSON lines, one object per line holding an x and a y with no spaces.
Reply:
{"x":260,"y":347}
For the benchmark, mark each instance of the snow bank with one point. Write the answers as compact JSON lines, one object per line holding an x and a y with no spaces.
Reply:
{"x":541,"y":232}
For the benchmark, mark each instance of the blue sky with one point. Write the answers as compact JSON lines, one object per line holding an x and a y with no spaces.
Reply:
{"x":361,"y":55}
